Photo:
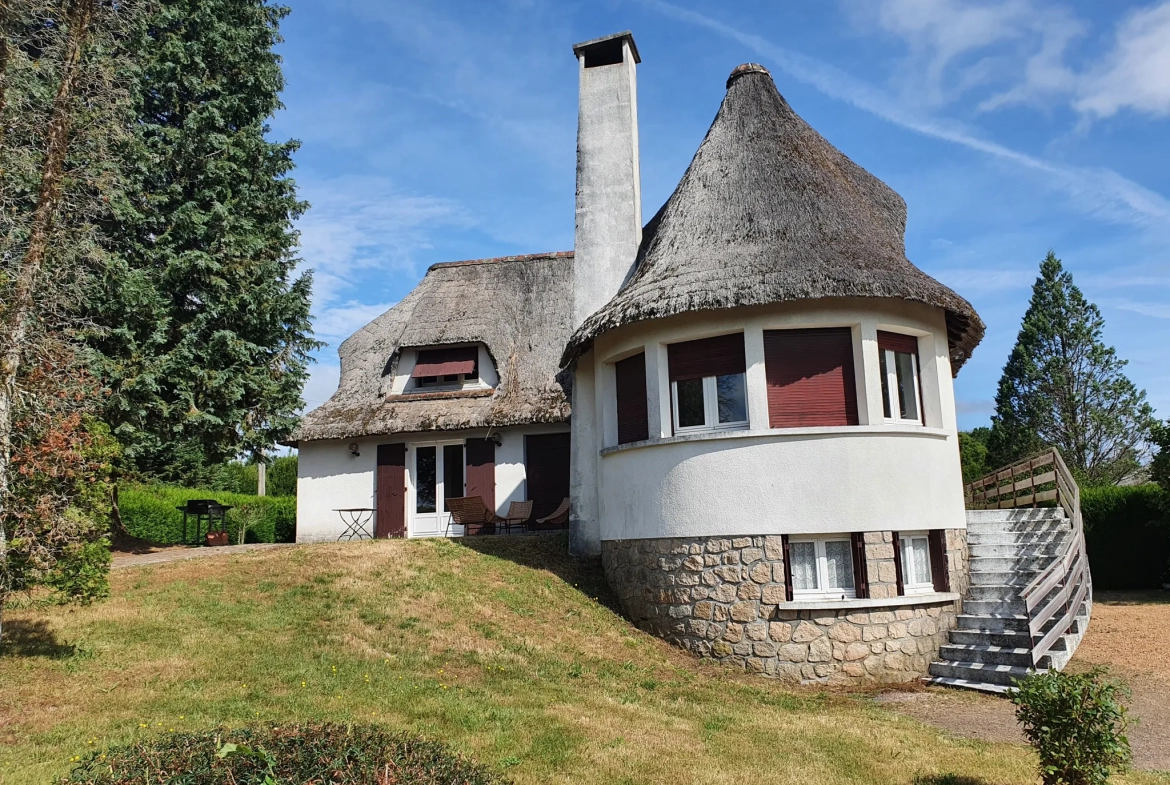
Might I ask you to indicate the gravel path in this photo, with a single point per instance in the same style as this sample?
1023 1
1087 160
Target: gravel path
1128 634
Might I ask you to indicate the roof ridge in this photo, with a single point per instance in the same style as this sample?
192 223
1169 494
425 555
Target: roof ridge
528 257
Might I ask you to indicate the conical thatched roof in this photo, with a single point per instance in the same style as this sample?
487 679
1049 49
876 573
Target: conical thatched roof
514 305
770 212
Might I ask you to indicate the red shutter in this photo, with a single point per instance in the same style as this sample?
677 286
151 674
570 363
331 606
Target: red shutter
481 471
718 356
787 567
860 568
446 362
632 419
810 377
390 491
896 342
901 583
939 571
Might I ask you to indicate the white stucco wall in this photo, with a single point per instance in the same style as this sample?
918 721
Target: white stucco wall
330 477
874 476
798 481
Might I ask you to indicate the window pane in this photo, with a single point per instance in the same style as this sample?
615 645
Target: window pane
904 367
905 546
804 565
690 403
424 479
921 560
885 384
452 473
839 558
732 398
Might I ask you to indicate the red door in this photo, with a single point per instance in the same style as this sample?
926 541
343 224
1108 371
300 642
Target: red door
390 491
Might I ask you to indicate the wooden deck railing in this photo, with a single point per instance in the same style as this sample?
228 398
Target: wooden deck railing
1060 589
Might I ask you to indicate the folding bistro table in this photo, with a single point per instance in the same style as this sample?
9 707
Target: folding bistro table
357 522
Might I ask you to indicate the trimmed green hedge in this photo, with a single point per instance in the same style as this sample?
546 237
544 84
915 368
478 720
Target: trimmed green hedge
291 753
149 512
1127 536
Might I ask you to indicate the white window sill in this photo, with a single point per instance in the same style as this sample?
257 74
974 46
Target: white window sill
791 434
870 602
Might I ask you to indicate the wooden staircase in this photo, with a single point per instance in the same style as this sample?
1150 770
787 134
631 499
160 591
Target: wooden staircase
1030 593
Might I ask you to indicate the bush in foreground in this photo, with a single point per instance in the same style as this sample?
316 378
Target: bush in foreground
292 754
1076 723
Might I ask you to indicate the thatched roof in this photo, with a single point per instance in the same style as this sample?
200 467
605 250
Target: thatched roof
514 305
770 212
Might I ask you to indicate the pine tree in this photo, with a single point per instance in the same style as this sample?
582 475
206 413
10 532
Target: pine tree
1063 387
204 328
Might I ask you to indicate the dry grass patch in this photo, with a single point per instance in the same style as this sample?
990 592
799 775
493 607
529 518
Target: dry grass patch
505 648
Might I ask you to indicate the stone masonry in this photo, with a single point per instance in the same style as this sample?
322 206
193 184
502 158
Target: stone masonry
723 598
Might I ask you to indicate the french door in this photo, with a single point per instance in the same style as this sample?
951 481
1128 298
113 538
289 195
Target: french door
436 474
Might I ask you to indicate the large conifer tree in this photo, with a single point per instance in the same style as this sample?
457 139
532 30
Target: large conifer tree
203 327
1062 386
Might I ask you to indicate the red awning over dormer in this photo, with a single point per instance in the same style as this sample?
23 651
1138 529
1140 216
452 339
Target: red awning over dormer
445 362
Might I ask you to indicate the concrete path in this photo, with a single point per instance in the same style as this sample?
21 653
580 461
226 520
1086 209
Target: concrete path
181 553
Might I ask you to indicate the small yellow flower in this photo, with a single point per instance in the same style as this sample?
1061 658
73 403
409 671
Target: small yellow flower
302 684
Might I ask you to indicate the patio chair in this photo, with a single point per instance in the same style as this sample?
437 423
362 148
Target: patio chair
518 515
469 511
557 519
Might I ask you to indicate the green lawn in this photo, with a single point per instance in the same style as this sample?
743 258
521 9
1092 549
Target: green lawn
498 647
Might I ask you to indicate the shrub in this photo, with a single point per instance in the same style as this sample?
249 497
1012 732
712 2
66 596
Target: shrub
1127 536
237 477
294 753
1076 723
150 513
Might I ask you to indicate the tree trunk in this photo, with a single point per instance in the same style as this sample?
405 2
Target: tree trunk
28 272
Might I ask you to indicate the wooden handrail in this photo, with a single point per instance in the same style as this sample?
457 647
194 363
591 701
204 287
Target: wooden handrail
1027 483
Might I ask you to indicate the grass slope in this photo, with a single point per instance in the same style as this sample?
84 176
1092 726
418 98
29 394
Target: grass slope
497 647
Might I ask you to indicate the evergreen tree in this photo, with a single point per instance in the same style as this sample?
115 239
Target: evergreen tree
203 325
973 453
1062 386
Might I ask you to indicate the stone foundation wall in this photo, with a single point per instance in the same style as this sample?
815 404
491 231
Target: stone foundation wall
723 597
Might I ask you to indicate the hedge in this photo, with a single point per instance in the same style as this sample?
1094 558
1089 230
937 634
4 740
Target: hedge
237 477
149 513
1127 536
291 753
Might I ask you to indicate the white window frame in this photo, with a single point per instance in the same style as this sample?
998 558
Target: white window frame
890 382
824 592
909 586
710 408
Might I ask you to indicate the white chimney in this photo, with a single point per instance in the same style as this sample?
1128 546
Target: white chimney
609 191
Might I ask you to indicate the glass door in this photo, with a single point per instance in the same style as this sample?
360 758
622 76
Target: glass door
437 474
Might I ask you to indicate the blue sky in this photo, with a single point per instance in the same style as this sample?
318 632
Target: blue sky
441 130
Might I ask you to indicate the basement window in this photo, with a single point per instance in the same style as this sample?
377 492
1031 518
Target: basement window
822 568
917 577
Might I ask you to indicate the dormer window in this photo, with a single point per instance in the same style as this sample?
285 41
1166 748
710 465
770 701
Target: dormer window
454 368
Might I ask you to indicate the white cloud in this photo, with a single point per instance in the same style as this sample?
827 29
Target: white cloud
1136 74
1156 310
1096 191
337 322
974 407
956 45
322 383
982 281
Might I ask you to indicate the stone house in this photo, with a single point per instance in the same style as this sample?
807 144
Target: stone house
762 444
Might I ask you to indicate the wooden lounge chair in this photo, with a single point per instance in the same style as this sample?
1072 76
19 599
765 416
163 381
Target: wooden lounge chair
472 514
518 515
557 519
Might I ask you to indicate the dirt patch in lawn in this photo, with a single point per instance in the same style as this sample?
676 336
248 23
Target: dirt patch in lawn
1127 634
